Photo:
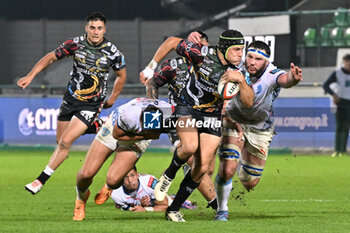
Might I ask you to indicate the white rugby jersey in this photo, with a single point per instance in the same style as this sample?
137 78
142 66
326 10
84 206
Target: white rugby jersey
127 116
266 90
343 81
126 200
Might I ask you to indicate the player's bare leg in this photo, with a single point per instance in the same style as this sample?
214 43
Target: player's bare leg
72 132
97 154
230 151
255 167
124 160
186 148
202 159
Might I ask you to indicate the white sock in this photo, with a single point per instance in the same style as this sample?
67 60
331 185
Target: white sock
81 195
223 190
48 171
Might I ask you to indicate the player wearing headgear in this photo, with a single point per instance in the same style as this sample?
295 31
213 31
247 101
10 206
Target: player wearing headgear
176 73
202 106
248 154
125 132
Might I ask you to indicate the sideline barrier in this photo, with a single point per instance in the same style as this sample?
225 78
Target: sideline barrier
299 122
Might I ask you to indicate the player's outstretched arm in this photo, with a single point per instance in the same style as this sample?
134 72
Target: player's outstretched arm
292 78
117 88
159 206
41 65
164 49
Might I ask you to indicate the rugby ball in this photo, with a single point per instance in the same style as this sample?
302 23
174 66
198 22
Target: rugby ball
227 90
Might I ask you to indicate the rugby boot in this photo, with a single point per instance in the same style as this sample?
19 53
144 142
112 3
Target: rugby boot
34 187
103 195
162 187
174 216
79 209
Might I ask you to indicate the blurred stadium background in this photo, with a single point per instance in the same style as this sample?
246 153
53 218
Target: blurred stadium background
312 33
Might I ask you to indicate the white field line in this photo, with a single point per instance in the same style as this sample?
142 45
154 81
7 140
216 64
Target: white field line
304 200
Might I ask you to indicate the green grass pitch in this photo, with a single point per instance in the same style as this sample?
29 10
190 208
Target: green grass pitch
297 193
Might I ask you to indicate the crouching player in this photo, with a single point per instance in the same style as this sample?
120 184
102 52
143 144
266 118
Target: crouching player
248 154
137 194
125 132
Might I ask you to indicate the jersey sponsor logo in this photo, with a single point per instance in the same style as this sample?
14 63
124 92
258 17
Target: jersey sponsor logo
204 71
152 119
152 183
258 89
88 115
105 132
189 46
211 51
204 50
274 71
173 63
113 48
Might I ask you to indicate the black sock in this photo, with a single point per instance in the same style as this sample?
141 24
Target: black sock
187 186
213 204
43 177
175 165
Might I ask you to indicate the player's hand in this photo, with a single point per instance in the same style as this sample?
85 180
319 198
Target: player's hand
142 78
239 130
296 72
107 104
232 76
146 201
145 75
137 208
195 37
24 82
336 99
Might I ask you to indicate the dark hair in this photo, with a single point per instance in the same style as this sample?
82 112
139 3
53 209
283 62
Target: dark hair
258 44
204 36
96 16
229 38
346 57
133 168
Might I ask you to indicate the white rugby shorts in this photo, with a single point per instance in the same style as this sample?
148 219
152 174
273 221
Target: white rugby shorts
105 136
257 142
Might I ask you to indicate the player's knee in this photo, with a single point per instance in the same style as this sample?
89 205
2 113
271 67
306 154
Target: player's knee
63 144
210 172
249 174
189 149
251 184
203 170
228 172
114 182
85 175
